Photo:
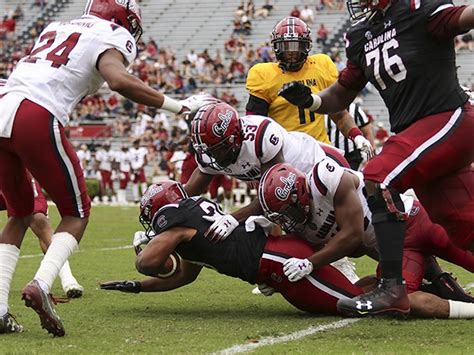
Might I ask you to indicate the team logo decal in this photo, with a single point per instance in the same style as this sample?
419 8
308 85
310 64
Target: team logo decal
220 128
162 221
150 192
274 139
129 46
414 211
282 193
368 35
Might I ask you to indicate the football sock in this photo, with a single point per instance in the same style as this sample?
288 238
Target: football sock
65 274
227 204
143 187
390 234
60 249
136 197
461 309
9 255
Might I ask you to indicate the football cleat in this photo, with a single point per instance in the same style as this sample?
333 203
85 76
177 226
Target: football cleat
446 286
42 303
73 290
8 324
388 298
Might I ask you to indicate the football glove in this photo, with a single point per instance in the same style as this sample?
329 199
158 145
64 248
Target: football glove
295 269
221 228
366 149
140 239
194 102
122 286
296 93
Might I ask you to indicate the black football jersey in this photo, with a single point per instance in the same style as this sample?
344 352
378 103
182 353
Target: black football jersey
414 72
237 256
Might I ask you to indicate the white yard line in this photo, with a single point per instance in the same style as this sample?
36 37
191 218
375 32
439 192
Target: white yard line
289 337
79 251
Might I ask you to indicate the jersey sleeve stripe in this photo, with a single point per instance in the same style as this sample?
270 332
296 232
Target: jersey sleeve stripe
441 8
317 181
259 138
415 4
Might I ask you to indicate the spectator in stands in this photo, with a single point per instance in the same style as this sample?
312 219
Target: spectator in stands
464 41
265 10
322 35
237 71
230 45
265 52
246 25
295 12
250 8
307 15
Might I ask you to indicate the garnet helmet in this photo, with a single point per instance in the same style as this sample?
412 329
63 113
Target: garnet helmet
285 197
216 135
157 196
291 42
125 13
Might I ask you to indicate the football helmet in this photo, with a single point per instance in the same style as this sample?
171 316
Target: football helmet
157 196
216 135
291 42
359 9
125 13
285 197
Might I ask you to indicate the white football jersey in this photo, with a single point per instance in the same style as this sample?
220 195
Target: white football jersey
84 157
105 159
61 68
124 160
263 139
137 157
324 180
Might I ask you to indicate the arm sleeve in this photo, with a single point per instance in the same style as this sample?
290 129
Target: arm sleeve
118 38
444 23
352 77
257 106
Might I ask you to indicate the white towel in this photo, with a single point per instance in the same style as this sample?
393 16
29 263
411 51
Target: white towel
8 106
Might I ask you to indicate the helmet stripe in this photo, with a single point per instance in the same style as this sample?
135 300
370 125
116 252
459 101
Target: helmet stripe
291 26
88 7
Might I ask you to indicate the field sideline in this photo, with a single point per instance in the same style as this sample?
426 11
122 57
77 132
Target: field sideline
213 314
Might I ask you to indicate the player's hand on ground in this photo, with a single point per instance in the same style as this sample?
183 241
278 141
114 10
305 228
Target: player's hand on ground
366 149
296 93
221 228
122 286
140 239
295 269
266 290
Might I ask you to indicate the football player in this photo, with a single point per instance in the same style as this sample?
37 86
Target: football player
244 147
138 161
406 50
174 224
122 159
291 42
69 60
105 158
327 208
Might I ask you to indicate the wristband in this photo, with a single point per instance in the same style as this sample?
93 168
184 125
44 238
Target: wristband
316 102
171 105
354 132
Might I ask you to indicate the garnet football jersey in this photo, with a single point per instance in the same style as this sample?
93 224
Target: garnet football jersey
414 72
238 255
263 138
264 80
61 68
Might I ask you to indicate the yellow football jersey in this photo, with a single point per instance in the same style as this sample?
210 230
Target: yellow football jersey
264 80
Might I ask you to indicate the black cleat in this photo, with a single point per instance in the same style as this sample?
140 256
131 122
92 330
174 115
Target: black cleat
446 286
388 298
8 324
42 303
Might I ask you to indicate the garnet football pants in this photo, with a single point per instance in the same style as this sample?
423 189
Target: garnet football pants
38 143
317 292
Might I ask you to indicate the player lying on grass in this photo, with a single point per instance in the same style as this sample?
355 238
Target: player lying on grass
327 208
174 223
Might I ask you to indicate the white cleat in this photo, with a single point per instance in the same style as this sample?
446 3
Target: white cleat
256 291
73 290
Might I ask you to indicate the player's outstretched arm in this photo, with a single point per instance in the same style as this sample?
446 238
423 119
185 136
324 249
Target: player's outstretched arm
111 66
466 20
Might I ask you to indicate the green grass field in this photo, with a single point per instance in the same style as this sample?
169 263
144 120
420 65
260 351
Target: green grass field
210 315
